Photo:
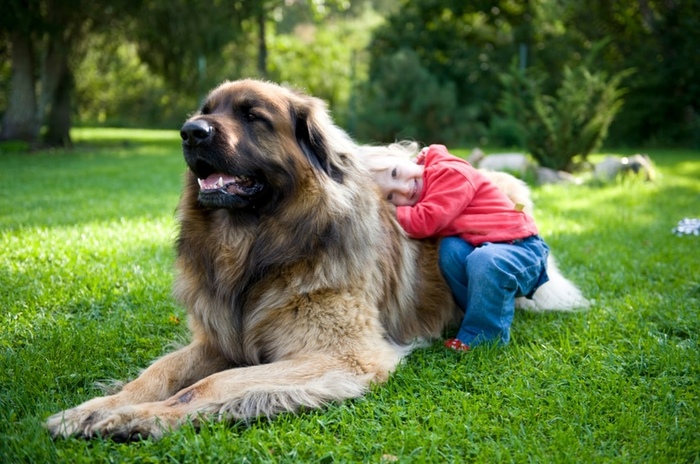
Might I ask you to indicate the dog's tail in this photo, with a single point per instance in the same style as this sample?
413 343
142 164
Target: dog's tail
558 294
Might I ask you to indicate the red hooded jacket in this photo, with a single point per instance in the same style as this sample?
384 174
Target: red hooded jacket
459 200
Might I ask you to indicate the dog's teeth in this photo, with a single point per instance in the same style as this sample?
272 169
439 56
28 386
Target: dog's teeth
220 182
201 183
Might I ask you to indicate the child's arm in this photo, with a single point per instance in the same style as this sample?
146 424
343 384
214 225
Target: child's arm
449 193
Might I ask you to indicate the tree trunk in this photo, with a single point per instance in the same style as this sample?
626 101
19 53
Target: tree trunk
19 121
58 122
57 89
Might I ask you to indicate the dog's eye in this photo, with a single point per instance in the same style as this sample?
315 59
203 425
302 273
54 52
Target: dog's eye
205 110
256 117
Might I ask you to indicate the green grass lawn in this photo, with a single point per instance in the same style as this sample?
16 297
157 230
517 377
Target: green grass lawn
86 255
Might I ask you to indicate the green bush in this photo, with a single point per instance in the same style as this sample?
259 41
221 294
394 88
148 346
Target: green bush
405 100
506 132
572 122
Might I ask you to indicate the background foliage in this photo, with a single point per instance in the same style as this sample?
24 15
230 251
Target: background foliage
387 69
469 44
406 100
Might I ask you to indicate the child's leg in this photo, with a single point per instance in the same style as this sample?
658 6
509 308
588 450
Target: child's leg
494 274
452 259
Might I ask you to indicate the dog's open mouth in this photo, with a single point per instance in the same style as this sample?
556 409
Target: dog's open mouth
242 186
223 186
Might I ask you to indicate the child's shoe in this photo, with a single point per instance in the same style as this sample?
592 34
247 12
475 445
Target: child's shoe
455 344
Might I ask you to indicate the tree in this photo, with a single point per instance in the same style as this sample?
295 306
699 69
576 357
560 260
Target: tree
64 29
180 39
20 118
45 36
48 39
464 45
660 39
468 44
306 48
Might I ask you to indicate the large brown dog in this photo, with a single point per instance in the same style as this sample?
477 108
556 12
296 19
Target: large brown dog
301 288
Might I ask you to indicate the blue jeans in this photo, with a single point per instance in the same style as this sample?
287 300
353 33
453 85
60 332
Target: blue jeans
485 280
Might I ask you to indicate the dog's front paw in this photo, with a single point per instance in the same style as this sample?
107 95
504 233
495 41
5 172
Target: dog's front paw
73 422
78 421
148 420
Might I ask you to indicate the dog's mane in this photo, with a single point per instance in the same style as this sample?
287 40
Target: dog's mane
404 289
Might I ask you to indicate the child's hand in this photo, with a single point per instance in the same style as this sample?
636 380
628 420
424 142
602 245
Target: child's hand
420 159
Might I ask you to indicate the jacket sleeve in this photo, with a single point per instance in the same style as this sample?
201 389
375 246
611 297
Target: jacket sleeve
449 192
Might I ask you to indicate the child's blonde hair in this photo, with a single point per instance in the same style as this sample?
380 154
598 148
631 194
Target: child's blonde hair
379 158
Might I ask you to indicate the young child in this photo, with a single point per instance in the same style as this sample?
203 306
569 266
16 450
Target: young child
491 252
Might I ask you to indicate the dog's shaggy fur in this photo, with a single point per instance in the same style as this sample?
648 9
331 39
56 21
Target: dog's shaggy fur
301 287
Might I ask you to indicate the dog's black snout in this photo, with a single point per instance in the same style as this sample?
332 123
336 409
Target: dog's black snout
196 132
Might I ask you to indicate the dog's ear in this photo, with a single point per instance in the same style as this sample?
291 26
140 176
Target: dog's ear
309 117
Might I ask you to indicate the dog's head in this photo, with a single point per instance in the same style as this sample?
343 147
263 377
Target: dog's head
252 143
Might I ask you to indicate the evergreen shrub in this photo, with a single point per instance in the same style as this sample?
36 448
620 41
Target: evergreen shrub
404 100
569 125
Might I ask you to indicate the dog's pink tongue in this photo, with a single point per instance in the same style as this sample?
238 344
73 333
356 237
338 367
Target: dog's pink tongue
215 181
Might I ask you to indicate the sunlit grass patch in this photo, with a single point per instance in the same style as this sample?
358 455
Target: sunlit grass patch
86 257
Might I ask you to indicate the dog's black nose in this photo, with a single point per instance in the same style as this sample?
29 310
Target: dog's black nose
196 132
